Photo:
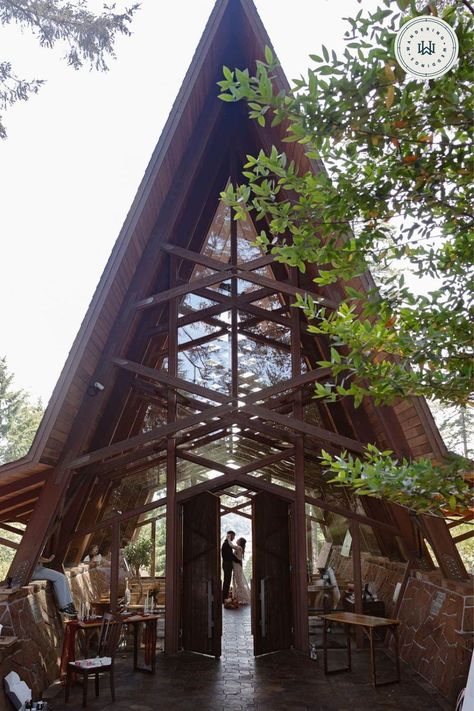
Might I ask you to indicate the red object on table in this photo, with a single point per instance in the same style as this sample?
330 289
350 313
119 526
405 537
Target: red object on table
68 653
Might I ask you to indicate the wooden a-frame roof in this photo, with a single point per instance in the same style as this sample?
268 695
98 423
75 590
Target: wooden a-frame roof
173 209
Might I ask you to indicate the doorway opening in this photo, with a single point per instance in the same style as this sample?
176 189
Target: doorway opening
236 515
205 521
236 510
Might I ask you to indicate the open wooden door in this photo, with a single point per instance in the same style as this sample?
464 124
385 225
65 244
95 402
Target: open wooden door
271 589
202 605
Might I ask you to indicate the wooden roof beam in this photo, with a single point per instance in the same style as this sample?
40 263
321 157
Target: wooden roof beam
289 289
12 529
126 516
317 432
226 510
17 486
176 291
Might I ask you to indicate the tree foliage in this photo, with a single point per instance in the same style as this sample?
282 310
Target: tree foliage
88 38
19 418
138 554
421 485
396 188
6 553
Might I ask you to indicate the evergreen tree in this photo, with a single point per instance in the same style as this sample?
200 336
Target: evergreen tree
456 425
89 38
19 418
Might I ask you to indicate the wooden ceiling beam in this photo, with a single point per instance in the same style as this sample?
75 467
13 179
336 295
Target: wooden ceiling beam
244 469
17 514
227 510
204 462
176 291
289 289
170 381
464 519
300 426
464 536
120 518
202 340
243 420
351 515
12 529
17 502
191 316
265 340
264 315
9 543
153 436
17 486
197 258
213 295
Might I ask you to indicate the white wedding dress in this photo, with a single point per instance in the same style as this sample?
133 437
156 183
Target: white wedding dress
240 586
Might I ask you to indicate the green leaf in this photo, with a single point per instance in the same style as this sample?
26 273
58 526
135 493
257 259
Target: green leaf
227 97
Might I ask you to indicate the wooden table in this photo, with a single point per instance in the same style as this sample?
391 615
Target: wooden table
368 623
149 637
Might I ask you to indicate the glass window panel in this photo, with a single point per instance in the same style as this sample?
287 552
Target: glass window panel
134 490
189 474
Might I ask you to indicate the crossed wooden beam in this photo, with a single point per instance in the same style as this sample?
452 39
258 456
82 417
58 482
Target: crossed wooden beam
226 405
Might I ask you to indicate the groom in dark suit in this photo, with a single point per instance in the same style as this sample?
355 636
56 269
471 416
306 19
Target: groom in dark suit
228 558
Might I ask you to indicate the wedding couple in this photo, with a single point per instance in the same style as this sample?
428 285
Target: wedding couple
232 557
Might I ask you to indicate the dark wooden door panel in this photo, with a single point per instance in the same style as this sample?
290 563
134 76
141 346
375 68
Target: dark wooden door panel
201 599
271 603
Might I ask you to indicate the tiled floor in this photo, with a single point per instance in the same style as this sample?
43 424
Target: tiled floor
238 680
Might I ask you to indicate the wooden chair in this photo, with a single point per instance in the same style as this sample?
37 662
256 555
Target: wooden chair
108 642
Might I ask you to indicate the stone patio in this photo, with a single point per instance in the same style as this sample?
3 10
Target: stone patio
275 682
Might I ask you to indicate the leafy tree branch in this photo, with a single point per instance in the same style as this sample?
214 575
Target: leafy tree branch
89 38
396 190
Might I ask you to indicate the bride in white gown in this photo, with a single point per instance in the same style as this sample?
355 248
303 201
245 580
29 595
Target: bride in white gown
241 589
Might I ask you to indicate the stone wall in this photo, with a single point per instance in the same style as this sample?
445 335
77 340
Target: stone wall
437 631
30 614
437 618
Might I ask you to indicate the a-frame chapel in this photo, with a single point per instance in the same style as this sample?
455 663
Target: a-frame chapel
187 396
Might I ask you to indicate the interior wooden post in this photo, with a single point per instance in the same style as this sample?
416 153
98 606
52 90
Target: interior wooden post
357 572
153 549
172 520
301 588
114 566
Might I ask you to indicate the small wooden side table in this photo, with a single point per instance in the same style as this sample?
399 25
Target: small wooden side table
368 623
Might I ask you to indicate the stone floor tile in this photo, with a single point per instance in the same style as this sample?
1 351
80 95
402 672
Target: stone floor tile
287 681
